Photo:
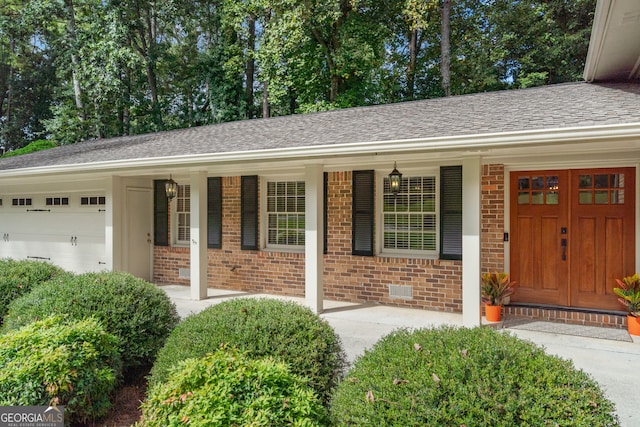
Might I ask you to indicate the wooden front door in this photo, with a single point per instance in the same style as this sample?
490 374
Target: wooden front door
572 234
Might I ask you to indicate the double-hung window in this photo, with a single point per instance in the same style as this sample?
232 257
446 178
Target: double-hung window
410 217
285 214
183 215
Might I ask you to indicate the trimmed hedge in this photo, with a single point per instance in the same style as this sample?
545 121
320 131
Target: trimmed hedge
227 388
262 327
76 365
19 277
138 313
473 377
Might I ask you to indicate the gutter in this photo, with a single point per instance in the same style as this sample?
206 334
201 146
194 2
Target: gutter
598 30
464 144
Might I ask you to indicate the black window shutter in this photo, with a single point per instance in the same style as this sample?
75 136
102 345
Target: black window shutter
451 212
362 213
326 207
160 214
214 212
249 213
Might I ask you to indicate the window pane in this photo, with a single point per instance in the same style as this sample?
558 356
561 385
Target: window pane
552 198
523 183
586 198
286 220
537 198
409 219
523 198
537 182
601 181
585 181
602 197
617 180
617 197
552 183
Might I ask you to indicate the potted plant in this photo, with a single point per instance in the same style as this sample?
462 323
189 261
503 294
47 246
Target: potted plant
628 294
497 289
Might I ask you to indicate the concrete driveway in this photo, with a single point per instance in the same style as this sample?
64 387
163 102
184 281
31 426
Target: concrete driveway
614 364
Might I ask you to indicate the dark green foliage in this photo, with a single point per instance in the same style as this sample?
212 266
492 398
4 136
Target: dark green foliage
39 145
262 327
140 314
473 377
76 365
227 388
18 277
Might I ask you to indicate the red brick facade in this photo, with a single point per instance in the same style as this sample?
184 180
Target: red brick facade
492 223
436 284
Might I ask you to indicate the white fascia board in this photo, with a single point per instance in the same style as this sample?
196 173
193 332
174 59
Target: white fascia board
598 31
464 144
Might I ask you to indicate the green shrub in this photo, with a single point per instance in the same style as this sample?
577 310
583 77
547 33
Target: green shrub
76 365
227 388
38 145
18 277
138 313
262 327
472 377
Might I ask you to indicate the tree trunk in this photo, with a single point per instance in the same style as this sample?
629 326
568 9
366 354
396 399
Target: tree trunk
151 68
411 70
71 29
250 67
266 110
445 48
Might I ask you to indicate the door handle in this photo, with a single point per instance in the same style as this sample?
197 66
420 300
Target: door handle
563 243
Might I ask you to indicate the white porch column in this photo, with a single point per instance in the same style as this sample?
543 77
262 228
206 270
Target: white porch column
198 245
314 238
113 224
471 213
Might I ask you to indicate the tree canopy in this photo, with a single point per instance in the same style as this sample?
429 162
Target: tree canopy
72 70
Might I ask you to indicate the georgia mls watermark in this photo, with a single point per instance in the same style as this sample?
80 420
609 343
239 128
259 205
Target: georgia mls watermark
31 416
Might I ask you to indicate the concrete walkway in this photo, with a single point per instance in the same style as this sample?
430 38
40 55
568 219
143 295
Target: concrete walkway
614 364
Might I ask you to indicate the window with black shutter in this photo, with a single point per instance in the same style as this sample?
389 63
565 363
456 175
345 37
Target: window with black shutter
249 213
214 212
451 212
362 213
160 214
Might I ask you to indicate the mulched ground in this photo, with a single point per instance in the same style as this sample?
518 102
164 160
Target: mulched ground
126 403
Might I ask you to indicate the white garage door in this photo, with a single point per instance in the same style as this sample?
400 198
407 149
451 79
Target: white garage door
65 230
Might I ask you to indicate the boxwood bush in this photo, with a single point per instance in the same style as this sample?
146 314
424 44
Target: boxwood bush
138 313
76 365
472 377
19 277
262 327
226 388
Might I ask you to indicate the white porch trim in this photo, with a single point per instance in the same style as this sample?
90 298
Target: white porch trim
198 244
471 212
113 245
314 238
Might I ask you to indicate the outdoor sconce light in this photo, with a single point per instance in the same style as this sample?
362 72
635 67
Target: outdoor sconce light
395 179
171 188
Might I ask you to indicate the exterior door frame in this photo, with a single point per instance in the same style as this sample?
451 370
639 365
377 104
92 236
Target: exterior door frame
632 222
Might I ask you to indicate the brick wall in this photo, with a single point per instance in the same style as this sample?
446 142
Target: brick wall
492 223
436 284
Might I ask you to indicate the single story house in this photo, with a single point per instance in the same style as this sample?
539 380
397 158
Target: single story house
539 182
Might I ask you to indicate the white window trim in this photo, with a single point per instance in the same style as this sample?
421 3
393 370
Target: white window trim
379 215
174 222
264 217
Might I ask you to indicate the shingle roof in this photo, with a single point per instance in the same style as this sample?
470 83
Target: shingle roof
546 107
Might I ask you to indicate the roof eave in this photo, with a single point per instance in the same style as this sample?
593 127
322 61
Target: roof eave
465 145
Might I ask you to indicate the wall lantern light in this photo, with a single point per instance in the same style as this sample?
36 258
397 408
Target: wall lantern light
171 188
395 179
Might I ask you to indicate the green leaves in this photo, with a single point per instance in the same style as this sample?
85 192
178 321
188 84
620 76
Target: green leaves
629 293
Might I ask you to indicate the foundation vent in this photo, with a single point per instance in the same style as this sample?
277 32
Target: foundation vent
401 291
184 273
